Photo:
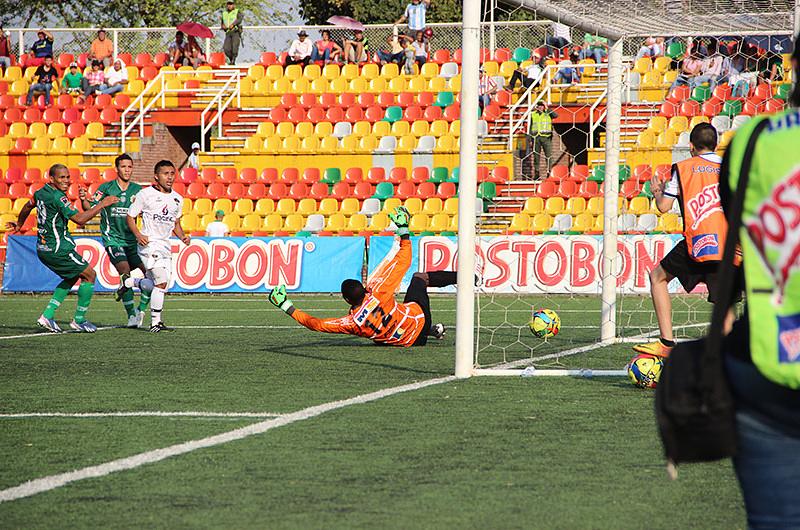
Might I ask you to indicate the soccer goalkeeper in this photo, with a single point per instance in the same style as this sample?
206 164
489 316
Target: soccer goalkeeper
374 313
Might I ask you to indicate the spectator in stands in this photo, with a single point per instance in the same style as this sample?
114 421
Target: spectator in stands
487 87
567 73
714 70
528 77
653 47
5 50
41 48
594 47
420 48
217 228
232 20
770 68
559 39
176 53
415 15
194 52
300 50
397 46
93 81
689 69
116 78
193 160
73 80
356 49
540 139
326 49
43 80
102 49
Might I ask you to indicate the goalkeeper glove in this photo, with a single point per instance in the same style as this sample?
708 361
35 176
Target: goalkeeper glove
401 217
279 299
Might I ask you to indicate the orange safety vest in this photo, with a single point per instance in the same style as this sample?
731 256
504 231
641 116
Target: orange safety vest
704 223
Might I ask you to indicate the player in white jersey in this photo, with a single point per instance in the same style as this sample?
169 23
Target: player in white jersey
160 208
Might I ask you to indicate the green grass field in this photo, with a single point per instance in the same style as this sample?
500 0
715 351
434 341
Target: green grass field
479 453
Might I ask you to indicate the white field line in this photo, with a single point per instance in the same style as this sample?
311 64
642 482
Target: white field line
141 414
51 334
51 482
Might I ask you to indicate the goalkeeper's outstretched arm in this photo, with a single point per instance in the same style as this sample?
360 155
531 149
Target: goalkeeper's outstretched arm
279 299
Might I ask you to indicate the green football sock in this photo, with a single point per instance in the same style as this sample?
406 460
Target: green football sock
144 300
85 292
127 301
61 292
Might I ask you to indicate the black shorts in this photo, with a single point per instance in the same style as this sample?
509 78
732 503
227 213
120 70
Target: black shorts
418 292
690 272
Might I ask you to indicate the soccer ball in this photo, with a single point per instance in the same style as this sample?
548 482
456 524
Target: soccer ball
645 370
545 323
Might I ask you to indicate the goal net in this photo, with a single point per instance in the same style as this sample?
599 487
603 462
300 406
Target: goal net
592 108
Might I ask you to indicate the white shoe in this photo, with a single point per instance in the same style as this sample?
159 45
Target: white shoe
135 320
83 327
49 324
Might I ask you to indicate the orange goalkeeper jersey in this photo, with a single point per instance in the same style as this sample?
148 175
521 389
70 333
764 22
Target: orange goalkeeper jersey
379 317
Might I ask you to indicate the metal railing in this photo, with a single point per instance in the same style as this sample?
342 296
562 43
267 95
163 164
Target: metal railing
139 105
222 100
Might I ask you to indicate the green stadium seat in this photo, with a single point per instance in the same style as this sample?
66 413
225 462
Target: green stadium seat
784 91
444 99
393 114
676 50
438 175
598 173
731 108
384 190
332 176
454 176
646 191
521 54
701 94
624 172
487 190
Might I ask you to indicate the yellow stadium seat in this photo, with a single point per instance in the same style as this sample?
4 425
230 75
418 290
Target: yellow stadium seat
368 144
251 223
328 206
18 129
697 120
646 139
357 222
272 144
6 143
666 139
576 205
272 222
323 129
390 70
643 65
419 223
414 205
300 85
30 71
280 86
446 144
5 205
37 130
294 222
432 206
134 87
377 85
583 222
243 206
274 72
401 128
554 205
382 128
331 71
187 206
232 220
312 72
247 87
541 222
329 145
290 145
438 128
307 206
304 129
419 128
406 144
658 124
357 85
338 85
41 145
80 145
336 223
678 124
639 205
256 72
60 146
349 71
439 222
361 129
491 68
253 144
190 222
378 222
417 84
370 71
265 206
285 206
437 84
56 129
284 129
595 206
451 206
598 224
349 144
396 85
318 86
19 203
669 77
223 204
349 206
521 222
18 87
429 70
293 72
662 64
13 73
202 206
95 130
670 222
391 203
455 128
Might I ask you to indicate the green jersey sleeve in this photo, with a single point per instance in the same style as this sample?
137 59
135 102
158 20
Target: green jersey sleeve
65 207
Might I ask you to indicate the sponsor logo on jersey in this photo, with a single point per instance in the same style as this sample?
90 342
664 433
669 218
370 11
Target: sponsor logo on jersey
705 203
789 339
165 210
98 196
705 245
366 308
64 200
398 333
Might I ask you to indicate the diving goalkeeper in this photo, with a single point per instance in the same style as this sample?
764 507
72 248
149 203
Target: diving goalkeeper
374 313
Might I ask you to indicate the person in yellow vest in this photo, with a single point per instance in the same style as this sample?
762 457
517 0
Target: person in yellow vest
232 26
695 259
762 352
539 140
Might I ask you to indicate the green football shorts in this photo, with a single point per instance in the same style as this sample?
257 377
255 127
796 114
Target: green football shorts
68 265
129 254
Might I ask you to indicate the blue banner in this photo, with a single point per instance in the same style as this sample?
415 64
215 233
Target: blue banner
234 264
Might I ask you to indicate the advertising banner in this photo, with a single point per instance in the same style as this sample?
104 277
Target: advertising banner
235 264
539 264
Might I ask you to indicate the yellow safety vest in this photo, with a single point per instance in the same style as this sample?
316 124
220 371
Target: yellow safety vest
541 124
229 17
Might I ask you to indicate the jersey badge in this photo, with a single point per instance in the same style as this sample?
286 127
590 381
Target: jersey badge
365 310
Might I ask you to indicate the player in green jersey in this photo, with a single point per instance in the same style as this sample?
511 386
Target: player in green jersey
118 240
56 248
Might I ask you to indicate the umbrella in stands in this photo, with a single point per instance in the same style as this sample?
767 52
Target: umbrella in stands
195 29
346 22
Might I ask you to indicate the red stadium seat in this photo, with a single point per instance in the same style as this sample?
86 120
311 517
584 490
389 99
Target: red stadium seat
328 100
445 190
177 187
33 175
298 190
354 114
363 190
121 101
307 100
208 175
109 175
148 73
547 188
559 172
160 59
109 116
763 91
492 112
188 175
316 115
642 173
277 115
374 113
235 191
31 115
64 60
13 175
386 99
630 189
712 107
376 175
483 174
91 175
215 190
290 175
668 109
426 99
228 175
318 191
664 172
12 114
426 190
75 129
398 175
406 99
17 190
432 113
7 102
413 113
405 190
256 191
64 101
142 60
89 115
310 175
679 94
568 188
499 174
21 146
347 99
248 175
452 112
268 175
420 174
690 108
354 175
340 191
334 115
457 55
195 190
277 190
503 98
441 56
217 59
296 114
773 105
126 57
268 58
589 188
366 99
51 115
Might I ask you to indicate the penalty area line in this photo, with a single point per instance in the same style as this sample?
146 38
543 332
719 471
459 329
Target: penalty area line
52 482
51 334
141 414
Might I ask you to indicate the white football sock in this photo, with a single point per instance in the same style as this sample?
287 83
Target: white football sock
156 305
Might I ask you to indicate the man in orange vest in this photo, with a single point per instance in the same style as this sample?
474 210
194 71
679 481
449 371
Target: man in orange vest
695 259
